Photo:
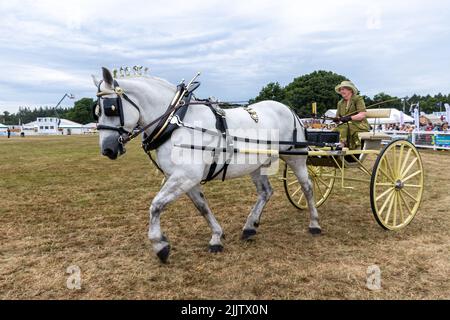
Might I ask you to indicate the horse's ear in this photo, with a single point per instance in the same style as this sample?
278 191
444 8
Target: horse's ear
107 77
96 82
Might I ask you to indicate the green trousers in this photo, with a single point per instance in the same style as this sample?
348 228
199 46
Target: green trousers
349 134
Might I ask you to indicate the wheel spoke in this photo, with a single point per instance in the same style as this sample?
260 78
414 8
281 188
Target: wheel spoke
409 195
394 169
320 190
395 209
401 210
296 191
409 167
292 183
386 175
386 203
399 162
391 203
323 182
390 169
413 186
382 184
384 193
406 160
301 198
406 204
412 176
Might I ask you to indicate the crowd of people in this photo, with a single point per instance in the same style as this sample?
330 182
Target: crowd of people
409 128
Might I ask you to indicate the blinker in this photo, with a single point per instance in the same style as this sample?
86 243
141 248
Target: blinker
110 107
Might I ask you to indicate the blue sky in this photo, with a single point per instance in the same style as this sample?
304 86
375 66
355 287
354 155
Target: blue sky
48 48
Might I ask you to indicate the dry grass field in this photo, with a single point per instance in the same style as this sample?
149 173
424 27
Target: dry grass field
62 204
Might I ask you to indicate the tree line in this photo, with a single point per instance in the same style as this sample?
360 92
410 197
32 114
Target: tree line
319 87
80 113
316 87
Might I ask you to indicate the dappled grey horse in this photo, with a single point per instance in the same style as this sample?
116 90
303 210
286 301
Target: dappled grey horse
146 99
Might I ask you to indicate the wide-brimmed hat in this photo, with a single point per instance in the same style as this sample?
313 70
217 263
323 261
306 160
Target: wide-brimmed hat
347 84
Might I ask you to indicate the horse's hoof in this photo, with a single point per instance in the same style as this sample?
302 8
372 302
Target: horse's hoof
216 248
315 231
248 234
163 254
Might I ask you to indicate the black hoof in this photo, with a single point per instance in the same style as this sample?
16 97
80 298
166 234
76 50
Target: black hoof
216 248
315 231
248 234
163 255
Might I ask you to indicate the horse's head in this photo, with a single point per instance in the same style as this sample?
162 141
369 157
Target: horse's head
117 115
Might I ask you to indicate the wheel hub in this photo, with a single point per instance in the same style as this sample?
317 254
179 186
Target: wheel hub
399 185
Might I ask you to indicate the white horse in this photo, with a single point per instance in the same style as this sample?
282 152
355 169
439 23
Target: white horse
152 97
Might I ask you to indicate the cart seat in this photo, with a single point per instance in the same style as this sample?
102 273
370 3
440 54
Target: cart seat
378 113
373 136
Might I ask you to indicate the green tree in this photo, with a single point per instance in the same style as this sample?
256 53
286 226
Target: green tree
314 87
81 111
273 91
383 97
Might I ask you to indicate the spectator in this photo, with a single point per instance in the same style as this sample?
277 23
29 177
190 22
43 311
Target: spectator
8 131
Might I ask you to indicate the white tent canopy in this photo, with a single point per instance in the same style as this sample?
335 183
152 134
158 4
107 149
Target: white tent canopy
91 125
396 117
2 126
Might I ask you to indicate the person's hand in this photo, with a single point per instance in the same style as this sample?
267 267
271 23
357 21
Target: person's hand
346 119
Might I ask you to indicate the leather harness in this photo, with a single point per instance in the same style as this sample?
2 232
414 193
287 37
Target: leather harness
112 107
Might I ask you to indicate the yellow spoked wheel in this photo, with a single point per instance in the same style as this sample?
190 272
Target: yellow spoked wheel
322 179
396 188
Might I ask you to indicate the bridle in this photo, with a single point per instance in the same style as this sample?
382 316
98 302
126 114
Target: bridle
113 107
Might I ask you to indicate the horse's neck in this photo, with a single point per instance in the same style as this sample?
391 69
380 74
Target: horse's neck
155 97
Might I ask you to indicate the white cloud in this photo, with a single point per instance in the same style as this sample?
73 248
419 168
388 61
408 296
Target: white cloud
240 45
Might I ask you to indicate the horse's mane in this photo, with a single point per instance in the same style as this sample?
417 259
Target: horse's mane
149 80
161 81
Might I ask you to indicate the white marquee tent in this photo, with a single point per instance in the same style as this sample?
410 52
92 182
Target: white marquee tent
3 129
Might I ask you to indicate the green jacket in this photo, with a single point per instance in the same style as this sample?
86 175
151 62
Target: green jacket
356 105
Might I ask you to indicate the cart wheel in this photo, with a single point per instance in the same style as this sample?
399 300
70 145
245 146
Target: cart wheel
322 179
396 188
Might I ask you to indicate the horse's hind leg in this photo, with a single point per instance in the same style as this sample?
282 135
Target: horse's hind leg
174 187
265 191
298 165
199 200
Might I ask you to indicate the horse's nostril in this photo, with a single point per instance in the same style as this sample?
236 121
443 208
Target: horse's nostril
108 152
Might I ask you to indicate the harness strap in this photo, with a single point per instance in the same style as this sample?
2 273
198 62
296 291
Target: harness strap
221 125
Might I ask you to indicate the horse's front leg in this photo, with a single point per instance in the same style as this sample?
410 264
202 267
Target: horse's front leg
199 200
174 187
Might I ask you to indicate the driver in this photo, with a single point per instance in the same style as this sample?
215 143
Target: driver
350 115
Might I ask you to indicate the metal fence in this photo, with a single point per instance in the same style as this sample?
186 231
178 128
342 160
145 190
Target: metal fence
424 139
